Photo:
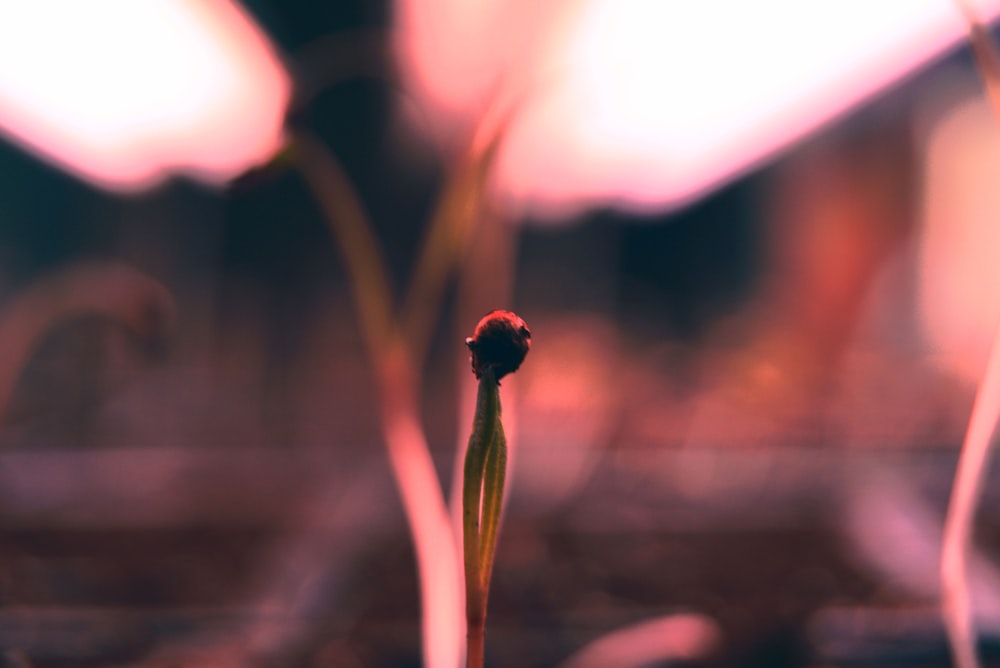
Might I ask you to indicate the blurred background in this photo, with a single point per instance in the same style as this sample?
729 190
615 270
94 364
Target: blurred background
751 372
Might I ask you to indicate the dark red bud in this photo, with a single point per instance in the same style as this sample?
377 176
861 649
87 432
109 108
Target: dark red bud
500 342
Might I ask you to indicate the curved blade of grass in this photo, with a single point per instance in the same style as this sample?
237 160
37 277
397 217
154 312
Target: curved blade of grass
395 374
450 231
349 225
966 493
976 448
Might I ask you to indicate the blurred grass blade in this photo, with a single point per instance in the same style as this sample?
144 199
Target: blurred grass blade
448 237
986 55
398 393
678 638
977 445
965 496
350 227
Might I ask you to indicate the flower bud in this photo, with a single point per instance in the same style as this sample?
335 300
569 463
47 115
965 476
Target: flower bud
500 342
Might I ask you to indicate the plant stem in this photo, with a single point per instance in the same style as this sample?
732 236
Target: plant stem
959 521
485 468
976 448
409 455
353 234
494 476
485 279
451 231
426 512
476 643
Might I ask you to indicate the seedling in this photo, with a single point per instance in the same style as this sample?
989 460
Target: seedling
499 345
397 338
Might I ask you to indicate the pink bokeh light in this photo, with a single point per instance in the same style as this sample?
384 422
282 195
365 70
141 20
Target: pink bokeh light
959 281
123 93
649 104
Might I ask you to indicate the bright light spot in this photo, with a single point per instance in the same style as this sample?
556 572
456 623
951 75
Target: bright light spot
456 53
959 274
650 103
121 92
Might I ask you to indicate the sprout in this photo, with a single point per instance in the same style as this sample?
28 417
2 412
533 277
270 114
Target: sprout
500 342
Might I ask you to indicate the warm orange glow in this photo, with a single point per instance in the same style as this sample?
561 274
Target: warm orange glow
648 103
122 92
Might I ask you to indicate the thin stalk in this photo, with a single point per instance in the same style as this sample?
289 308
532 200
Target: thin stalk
352 231
485 466
985 53
409 455
474 603
426 512
450 232
966 493
494 477
472 494
977 445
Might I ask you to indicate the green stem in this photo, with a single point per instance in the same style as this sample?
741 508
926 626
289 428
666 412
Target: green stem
494 476
471 499
482 497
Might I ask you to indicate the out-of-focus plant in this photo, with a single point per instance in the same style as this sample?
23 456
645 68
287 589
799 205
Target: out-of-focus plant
396 340
659 641
977 445
398 394
121 294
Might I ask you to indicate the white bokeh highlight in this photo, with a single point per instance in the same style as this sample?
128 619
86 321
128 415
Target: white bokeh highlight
123 93
648 104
